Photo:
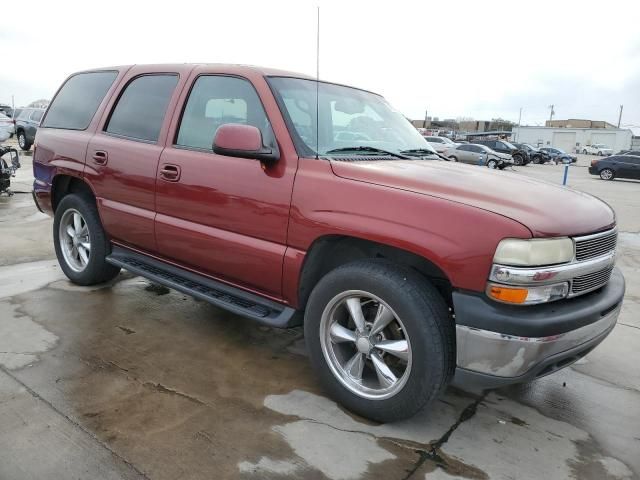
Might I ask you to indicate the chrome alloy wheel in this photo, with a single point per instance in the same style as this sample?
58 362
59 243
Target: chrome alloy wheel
365 345
75 241
606 174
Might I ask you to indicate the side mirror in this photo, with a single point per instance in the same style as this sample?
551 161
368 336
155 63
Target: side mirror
245 141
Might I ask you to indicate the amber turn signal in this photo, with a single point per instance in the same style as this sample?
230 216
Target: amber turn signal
508 294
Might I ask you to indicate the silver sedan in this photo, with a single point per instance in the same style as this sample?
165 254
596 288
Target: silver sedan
478 155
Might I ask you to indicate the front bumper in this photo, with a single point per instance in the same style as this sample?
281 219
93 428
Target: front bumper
499 344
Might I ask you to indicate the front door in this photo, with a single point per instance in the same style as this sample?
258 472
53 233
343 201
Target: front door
223 216
123 155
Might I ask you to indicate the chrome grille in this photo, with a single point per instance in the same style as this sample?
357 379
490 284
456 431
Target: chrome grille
595 245
591 281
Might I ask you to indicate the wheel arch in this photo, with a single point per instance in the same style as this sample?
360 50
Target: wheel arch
64 184
331 251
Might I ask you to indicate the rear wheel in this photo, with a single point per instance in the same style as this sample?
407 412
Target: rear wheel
80 241
23 142
453 159
584 152
380 338
606 174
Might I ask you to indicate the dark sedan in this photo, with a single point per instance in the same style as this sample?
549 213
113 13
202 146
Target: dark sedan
559 156
616 166
535 154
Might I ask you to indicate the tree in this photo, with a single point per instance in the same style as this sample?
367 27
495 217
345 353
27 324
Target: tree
42 103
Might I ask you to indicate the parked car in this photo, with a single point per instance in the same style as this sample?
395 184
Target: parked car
6 127
440 144
535 154
597 149
520 157
616 166
559 156
629 152
478 155
6 109
403 269
26 126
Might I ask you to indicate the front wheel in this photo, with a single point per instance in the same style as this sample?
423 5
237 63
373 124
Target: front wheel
606 174
80 241
518 160
380 338
492 164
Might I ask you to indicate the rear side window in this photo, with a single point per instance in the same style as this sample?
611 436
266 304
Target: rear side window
215 100
78 100
141 108
36 116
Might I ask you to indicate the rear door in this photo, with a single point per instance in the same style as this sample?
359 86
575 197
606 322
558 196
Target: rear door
34 122
224 216
123 155
628 166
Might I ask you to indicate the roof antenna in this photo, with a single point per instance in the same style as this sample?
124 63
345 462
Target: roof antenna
317 85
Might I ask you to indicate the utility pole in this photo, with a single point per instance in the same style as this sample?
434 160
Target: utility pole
552 112
426 118
620 116
519 119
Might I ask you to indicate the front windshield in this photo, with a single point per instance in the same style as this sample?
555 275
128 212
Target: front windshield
348 118
509 145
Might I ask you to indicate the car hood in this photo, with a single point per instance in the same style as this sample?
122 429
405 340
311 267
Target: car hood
544 208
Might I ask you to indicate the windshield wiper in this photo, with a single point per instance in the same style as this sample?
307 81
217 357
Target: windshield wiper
368 150
423 152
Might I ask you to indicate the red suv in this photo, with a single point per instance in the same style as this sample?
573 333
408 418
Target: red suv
290 201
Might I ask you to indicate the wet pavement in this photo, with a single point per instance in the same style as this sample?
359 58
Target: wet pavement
128 380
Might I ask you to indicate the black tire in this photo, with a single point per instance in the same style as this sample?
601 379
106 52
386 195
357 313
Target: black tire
427 325
97 270
518 160
492 164
23 143
607 174
584 151
453 159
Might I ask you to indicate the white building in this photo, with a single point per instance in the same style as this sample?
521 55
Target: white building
573 139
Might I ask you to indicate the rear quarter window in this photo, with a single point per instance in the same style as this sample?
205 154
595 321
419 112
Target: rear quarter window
78 100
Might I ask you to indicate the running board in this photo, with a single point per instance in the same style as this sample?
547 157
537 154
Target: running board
219 294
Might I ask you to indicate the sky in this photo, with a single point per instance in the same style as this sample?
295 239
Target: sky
477 59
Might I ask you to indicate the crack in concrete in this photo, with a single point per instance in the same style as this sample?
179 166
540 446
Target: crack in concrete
434 452
627 325
156 386
22 353
76 424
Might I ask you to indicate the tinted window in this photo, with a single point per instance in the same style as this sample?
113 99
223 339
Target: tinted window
630 159
24 114
36 116
434 140
215 100
140 110
465 148
78 99
475 148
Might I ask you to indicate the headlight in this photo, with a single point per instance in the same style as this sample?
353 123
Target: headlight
534 252
527 295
